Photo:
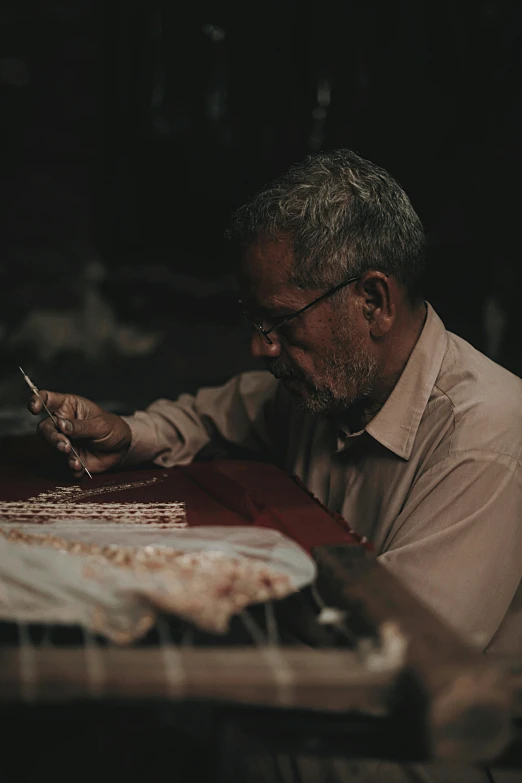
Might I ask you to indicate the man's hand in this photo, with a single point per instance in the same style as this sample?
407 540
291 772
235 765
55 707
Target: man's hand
100 438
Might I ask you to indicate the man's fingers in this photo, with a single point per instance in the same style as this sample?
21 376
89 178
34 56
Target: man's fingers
58 441
34 405
49 433
66 425
75 466
87 429
53 400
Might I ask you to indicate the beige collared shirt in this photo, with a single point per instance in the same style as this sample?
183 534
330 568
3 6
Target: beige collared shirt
434 480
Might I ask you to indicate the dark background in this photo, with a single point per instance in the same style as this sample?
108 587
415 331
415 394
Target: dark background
130 130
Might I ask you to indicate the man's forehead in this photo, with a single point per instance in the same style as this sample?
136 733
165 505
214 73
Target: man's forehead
268 260
265 271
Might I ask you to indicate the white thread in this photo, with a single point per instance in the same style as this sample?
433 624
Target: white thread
94 665
271 624
187 640
28 669
331 616
281 671
172 661
390 653
317 596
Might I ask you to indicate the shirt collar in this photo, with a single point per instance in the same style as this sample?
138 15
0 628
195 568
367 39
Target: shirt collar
395 425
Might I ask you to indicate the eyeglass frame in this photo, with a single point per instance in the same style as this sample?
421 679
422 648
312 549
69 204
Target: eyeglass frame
266 332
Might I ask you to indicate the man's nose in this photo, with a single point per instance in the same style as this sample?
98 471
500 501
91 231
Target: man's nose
260 348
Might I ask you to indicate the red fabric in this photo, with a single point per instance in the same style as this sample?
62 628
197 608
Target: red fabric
221 492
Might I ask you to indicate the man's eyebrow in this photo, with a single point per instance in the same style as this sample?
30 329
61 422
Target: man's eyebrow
269 308
279 313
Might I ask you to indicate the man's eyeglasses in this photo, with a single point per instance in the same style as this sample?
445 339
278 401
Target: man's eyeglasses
266 332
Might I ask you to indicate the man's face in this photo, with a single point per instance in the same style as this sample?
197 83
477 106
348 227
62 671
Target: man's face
323 356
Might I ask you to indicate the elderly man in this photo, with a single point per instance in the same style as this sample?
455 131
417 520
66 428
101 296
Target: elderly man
405 429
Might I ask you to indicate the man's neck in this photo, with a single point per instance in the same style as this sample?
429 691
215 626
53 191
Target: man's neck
397 354
360 414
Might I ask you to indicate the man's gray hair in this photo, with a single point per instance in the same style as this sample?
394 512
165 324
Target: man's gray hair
344 216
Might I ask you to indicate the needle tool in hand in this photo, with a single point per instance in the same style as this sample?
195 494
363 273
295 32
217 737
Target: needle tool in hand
52 417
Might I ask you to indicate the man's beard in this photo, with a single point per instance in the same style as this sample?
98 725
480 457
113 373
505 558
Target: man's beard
341 379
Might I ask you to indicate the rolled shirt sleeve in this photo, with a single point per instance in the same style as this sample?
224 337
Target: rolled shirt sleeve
240 413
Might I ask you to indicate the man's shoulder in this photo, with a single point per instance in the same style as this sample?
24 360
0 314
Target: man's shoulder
485 400
467 376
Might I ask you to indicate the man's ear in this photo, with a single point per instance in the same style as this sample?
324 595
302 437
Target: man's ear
378 308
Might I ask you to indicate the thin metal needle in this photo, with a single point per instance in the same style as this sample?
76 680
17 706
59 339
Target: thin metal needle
53 418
